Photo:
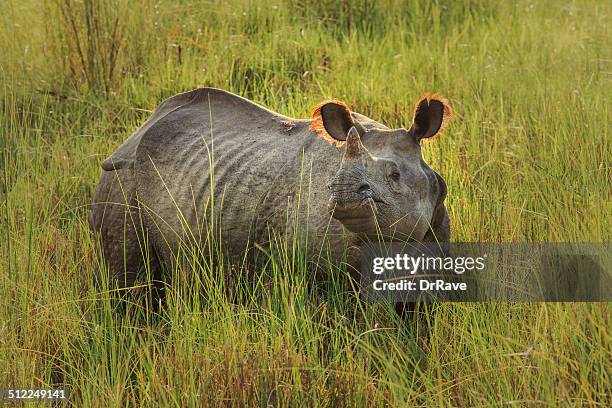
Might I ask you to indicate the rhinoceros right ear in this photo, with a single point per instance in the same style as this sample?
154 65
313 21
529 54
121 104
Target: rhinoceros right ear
333 119
431 116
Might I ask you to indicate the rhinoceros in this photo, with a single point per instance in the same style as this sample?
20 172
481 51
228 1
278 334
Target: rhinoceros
209 160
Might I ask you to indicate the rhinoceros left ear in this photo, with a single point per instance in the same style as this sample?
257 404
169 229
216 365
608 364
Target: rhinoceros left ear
431 116
332 120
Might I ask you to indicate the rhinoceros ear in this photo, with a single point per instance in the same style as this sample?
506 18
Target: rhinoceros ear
431 116
332 120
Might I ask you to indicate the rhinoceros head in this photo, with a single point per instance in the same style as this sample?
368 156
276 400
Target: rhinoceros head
383 188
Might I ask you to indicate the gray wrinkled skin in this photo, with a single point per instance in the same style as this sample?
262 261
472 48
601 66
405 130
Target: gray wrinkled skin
269 172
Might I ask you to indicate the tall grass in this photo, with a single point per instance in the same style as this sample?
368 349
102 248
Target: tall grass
527 159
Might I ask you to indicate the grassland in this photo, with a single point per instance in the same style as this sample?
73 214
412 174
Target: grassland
527 158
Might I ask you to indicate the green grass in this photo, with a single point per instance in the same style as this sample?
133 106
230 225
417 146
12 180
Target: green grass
527 158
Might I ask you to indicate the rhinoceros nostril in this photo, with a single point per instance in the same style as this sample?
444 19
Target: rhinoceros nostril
365 189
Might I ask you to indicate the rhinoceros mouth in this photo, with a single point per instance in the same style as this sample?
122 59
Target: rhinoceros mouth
352 213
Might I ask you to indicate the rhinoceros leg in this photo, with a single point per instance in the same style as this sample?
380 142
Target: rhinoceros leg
116 222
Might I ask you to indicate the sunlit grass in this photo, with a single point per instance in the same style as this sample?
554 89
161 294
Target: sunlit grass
527 158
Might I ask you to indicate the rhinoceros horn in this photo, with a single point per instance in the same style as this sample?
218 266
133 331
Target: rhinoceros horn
354 147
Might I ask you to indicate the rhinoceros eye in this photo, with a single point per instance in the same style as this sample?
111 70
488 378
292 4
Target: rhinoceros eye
393 173
395 176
